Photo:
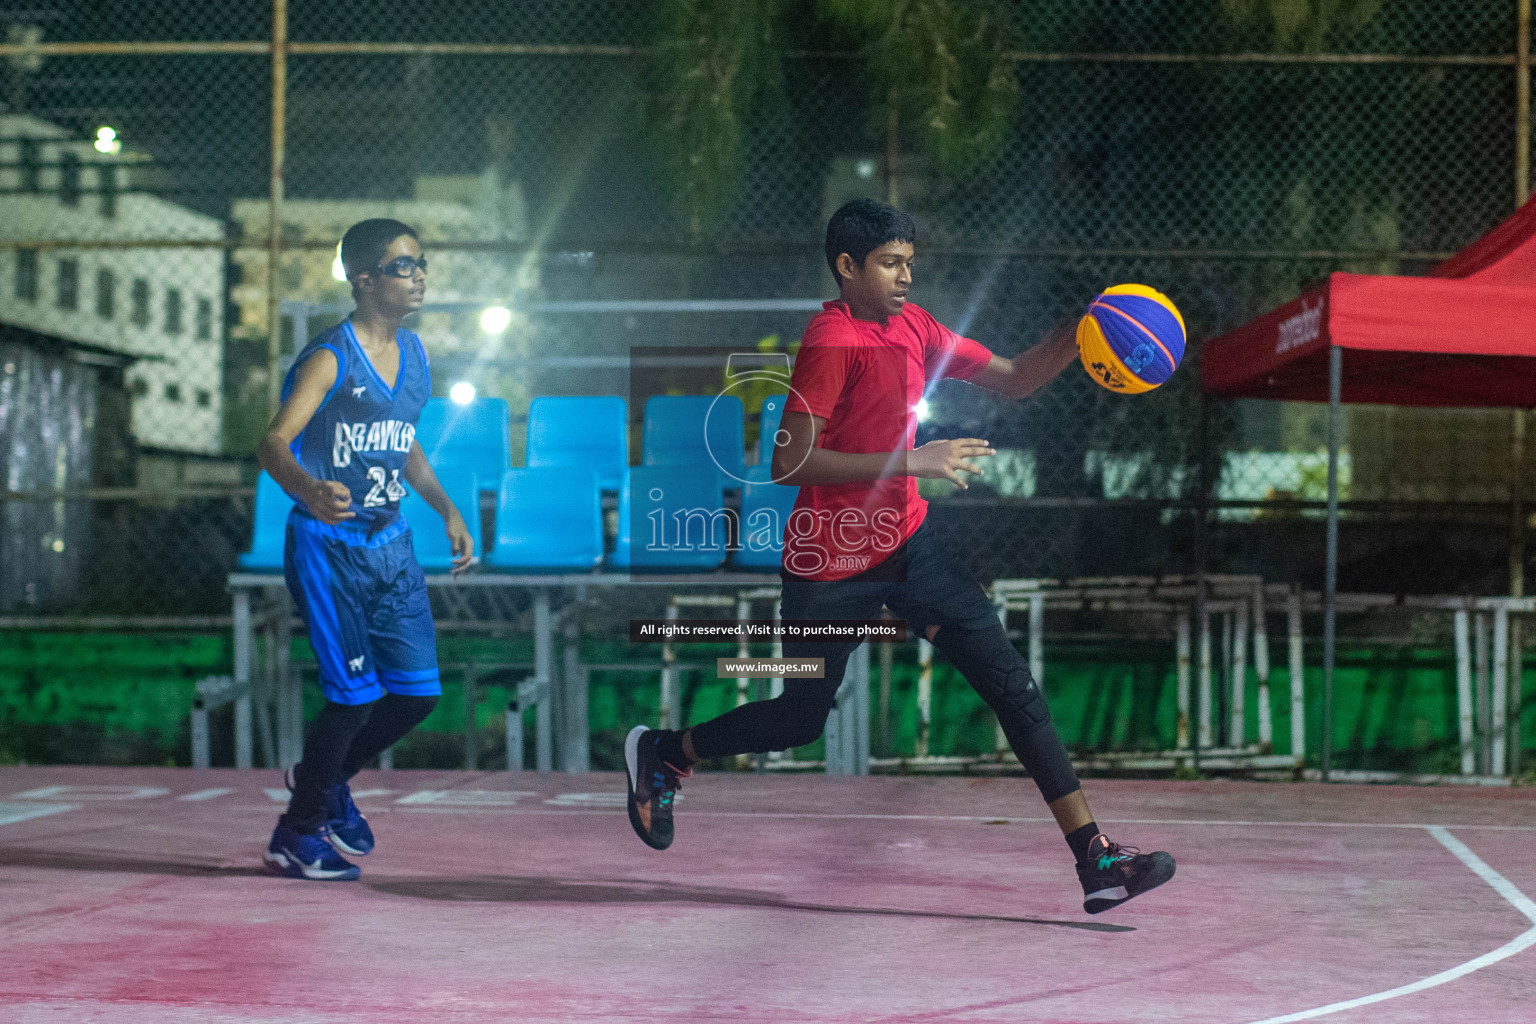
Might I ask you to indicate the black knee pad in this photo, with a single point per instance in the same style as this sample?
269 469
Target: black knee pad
994 667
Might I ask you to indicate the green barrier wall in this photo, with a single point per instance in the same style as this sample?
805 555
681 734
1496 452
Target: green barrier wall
124 699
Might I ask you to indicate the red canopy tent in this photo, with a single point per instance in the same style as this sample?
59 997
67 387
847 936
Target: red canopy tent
1464 335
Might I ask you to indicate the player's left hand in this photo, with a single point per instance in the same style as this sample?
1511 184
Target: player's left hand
461 543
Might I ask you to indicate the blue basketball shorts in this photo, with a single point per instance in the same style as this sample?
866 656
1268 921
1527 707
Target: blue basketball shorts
364 599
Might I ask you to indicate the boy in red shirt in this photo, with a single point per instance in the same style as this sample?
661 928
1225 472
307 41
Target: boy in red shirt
857 540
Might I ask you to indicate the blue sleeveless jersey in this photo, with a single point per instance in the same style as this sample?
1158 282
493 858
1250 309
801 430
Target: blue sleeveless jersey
362 433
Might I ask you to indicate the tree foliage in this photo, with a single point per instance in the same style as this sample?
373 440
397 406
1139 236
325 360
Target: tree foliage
711 60
1302 26
945 65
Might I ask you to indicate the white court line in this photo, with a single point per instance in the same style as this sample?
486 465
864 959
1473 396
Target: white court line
12 813
1004 818
92 793
1500 884
205 794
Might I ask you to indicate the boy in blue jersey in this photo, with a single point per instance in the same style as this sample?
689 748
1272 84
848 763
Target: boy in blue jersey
343 446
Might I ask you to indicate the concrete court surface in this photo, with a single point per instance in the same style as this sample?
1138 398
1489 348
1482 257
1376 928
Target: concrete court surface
136 896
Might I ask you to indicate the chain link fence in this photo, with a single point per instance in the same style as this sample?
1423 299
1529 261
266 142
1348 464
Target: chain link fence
1212 148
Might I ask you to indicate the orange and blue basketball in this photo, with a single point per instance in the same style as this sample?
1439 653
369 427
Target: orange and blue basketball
1131 338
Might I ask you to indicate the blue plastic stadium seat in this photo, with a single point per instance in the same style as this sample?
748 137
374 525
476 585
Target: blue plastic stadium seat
768 425
270 532
697 430
477 436
548 520
580 431
429 537
678 517
765 508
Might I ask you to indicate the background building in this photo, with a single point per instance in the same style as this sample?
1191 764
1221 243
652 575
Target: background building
162 306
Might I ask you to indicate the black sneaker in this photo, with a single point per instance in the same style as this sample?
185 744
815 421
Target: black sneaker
652 785
1113 874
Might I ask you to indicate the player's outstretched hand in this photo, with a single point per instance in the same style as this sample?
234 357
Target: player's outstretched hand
946 460
462 543
330 502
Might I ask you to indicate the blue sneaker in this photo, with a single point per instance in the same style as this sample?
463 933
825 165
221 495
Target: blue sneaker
348 828
296 855
344 823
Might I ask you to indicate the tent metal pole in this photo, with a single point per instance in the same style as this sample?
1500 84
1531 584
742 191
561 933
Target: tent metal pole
1516 639
1331 568
1522 101
1522 193
279 101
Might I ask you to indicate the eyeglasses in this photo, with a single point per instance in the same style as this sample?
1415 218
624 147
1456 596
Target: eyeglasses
402 266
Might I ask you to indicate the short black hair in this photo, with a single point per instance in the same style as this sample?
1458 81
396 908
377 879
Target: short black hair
860 227
363 246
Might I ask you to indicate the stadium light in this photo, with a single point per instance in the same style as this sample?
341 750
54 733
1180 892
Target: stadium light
495 319
922 410
107 140
338 271
462 393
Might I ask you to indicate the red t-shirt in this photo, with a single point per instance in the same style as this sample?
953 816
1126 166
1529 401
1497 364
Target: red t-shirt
865 379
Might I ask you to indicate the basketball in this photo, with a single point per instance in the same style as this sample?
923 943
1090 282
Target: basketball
1131 338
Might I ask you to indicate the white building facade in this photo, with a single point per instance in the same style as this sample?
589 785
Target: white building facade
163 305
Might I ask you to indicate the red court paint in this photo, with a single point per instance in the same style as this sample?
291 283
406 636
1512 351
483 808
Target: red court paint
784 899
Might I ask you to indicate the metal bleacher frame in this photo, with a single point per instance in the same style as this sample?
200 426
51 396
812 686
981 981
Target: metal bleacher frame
1238 604
1238 609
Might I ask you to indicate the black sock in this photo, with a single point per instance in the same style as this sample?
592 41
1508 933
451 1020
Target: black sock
1080 839
669 747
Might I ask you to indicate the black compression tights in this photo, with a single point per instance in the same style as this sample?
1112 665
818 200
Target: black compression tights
986 658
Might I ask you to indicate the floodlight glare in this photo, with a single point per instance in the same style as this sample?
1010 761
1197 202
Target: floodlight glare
922 410
463 392
106 140
495 319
